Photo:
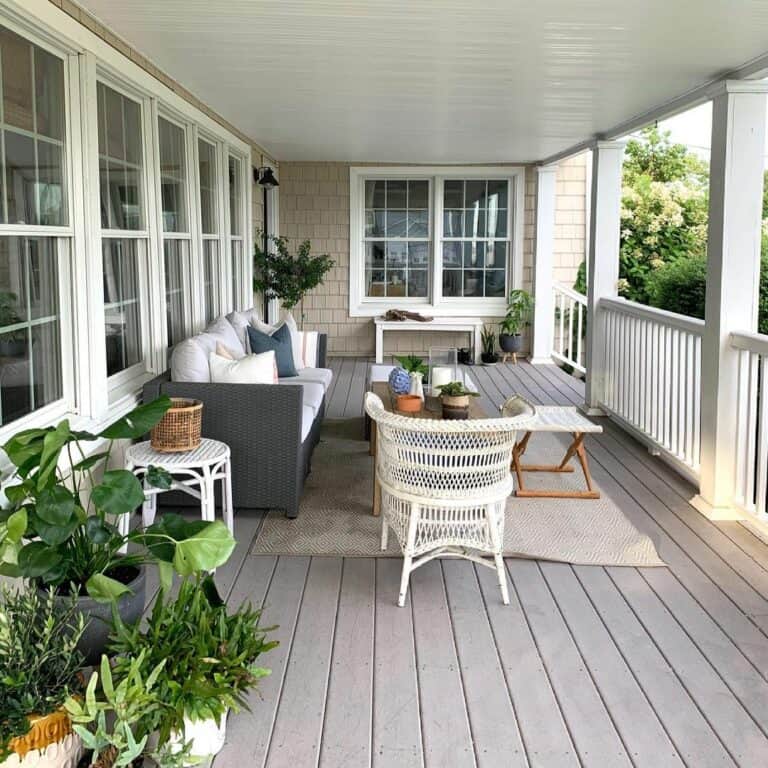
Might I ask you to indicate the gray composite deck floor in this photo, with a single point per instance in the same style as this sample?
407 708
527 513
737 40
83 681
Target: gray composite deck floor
588 665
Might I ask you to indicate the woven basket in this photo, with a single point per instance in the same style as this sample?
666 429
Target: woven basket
179 429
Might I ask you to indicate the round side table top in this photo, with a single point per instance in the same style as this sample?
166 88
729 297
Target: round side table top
208 452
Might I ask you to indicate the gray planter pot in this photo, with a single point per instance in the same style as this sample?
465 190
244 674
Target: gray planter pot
510 343
129 607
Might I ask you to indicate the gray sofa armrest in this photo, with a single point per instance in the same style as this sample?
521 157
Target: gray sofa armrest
322 350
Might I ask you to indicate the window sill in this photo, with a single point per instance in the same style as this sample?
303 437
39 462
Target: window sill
446 308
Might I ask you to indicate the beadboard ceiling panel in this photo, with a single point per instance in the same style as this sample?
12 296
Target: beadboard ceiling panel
436 81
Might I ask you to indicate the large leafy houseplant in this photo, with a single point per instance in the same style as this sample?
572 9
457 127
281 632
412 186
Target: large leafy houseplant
286 277
519 308
58 528
211 656
39 660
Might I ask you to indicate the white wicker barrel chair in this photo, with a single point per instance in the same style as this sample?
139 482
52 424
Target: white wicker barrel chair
444 487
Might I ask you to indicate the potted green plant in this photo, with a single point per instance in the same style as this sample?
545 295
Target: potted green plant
212 661
488 342
416 370
58 528
39 670
109 718
12 343
455 400
287 277
518 316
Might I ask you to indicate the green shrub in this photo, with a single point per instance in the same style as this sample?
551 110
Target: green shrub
679 286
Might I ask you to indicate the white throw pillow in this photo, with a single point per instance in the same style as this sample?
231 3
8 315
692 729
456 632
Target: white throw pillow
221 329
251 369
240 322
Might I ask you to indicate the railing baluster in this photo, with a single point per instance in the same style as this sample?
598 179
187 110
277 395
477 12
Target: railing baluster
762 443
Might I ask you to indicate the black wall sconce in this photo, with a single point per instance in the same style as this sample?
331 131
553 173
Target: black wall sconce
265 177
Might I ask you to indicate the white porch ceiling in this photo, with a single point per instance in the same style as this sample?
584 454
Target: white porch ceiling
436 81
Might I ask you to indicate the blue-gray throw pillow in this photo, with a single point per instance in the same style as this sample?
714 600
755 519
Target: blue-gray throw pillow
280 342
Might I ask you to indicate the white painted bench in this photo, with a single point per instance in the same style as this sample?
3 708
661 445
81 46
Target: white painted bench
472 325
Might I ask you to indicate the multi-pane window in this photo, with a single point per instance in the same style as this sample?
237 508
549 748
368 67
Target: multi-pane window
123 242
32 198
176 237
397 238
475 242
236 226
209 225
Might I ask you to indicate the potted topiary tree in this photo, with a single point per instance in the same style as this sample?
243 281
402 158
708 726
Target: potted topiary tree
39 670
288 278
58 529
518 316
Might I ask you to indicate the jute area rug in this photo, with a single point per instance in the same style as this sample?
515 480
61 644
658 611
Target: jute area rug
335 516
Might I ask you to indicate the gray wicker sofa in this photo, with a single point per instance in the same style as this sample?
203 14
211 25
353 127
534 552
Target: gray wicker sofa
271 429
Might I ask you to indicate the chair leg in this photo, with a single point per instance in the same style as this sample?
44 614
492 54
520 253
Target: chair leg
404 577
408 553
498 548
384 533
501 572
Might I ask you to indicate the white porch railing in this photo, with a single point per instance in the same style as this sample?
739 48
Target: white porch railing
752 414
568 343
652 379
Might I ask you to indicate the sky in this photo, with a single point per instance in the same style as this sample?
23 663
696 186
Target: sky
694 129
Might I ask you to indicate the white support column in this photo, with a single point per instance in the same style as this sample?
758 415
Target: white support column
602 261
733 277
544 308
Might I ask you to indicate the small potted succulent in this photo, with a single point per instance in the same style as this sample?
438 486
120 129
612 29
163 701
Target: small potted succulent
455 399
488 342
211 662
39 670
59 527
518 316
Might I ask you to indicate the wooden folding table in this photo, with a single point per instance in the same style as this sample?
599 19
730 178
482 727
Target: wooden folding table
555 418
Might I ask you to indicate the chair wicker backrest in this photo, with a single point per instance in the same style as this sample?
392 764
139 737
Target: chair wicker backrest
442 459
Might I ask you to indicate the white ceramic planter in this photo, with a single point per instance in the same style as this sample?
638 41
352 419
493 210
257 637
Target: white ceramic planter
206 736
65 753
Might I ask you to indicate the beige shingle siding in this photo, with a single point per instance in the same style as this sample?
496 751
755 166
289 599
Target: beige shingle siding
570 218
314 204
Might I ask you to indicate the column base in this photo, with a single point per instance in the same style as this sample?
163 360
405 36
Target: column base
591 410
540 360
712 512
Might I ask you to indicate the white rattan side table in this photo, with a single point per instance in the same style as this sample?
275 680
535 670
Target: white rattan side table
194 472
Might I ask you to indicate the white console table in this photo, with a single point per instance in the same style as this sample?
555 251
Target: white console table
472 325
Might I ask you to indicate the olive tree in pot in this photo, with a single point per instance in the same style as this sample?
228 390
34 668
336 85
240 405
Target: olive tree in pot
518 317
59 530
39 670
288 278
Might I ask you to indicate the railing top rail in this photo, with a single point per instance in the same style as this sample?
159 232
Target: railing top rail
690 324
570 292
752 342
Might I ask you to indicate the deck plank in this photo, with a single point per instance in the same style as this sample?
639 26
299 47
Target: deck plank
446 731
353 406
727 717
249 734
396 718
641 730
338 399
299 723
596 738
348 709
494 725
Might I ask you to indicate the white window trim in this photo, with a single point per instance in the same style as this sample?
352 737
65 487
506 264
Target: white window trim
434 305
89 399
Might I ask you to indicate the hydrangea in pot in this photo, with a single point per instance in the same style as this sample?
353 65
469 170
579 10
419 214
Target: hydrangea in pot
39 670
59 529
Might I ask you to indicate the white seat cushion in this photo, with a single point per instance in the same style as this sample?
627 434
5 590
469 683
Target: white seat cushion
322 376
312 394
307 419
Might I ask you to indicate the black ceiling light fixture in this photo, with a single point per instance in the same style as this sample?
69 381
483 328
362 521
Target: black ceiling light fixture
265 177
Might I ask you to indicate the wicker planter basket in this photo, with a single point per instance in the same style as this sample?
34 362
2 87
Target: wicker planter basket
179 429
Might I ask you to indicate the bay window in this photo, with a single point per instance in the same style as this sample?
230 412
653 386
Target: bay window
124 235
176 230
34 227
209 227
446 239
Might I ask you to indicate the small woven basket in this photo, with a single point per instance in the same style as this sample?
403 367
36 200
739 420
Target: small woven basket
179 429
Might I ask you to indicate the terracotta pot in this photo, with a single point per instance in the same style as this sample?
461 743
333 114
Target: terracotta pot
409 403
49 743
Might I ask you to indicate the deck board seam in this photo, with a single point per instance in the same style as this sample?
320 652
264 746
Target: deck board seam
544 665
595 685
418 682
671 666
